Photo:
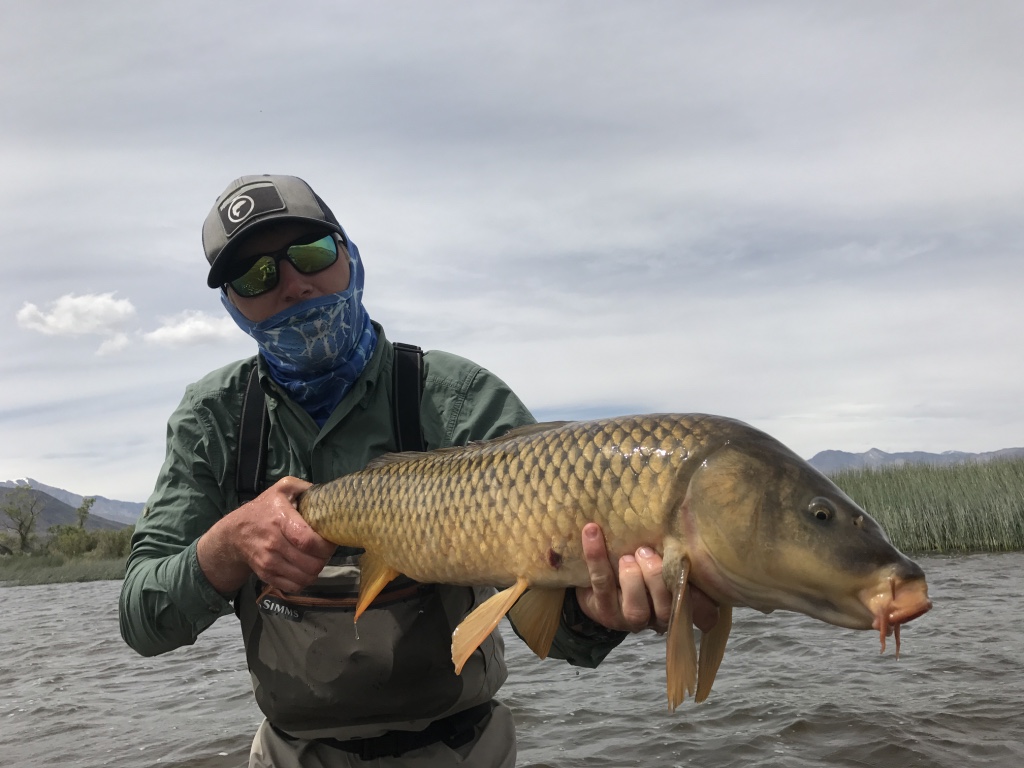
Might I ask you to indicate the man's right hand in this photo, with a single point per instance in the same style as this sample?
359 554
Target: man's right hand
267 537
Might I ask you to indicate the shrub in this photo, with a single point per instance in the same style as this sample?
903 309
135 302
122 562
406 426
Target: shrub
114 544
69 541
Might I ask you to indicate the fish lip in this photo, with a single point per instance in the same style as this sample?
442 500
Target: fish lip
895 601
901 615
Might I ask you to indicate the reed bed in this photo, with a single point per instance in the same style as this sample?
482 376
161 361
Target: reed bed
971 507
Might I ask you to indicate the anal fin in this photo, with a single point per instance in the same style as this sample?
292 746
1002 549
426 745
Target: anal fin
712 649
537 616
475 628
374 575
680 650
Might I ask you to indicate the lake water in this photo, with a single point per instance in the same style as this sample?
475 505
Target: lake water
791 691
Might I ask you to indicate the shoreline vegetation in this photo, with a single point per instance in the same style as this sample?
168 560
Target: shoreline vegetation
953 509
957 509
65 554
28 570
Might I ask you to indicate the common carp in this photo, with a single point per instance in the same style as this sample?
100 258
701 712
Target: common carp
729 508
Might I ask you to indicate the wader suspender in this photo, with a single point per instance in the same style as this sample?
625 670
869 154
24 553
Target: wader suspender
254 427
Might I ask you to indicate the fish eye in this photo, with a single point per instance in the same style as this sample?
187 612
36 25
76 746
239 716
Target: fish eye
822 509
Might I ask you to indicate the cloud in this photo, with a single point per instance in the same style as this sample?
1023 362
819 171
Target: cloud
91 314
72 315
104 315
114 344
192 327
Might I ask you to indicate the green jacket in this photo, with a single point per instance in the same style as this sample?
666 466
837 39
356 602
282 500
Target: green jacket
166 601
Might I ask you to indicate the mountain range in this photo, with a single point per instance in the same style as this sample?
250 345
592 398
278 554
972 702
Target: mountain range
110 513
831 462
104 514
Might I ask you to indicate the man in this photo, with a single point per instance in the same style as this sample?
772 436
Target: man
335 694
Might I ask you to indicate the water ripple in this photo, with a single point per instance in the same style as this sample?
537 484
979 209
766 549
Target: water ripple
791 692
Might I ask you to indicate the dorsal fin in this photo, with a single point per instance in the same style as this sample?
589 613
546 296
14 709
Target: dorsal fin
394 458
530 429
533 429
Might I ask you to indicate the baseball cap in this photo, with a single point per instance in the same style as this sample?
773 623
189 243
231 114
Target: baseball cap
251 203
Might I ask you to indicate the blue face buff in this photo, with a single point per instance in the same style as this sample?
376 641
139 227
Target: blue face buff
317 349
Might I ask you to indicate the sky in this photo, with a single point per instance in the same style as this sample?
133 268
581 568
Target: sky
804 215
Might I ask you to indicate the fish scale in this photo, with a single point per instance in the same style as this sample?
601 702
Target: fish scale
535 489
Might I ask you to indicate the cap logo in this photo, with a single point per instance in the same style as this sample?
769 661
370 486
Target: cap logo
240 208
253 200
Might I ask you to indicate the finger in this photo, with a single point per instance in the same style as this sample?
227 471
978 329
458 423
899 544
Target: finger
603 592
658 593
286 567
635 609
287 580
282 497
298 533
595 554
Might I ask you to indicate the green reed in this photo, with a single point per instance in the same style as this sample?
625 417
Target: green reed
971 507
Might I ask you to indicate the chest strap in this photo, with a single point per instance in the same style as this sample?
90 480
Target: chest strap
407 387
253 434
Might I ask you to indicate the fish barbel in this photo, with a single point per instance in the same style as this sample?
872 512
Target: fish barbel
729 508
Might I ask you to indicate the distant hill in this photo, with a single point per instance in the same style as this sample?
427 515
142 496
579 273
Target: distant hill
126 512
830 462
56 512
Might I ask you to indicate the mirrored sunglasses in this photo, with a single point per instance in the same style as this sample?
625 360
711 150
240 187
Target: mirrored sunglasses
261 273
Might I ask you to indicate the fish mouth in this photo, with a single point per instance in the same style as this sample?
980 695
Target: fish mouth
893 602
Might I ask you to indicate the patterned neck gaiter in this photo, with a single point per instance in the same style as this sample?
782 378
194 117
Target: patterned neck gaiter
317 349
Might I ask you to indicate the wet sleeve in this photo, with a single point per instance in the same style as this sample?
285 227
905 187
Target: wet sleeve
166 600
580 640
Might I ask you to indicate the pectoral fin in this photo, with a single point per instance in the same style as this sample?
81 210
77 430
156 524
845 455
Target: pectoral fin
680 650
475 628
536 616
374 575
712 649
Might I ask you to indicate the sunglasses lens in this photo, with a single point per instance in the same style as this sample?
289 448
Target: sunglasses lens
312 257
307 258
259 278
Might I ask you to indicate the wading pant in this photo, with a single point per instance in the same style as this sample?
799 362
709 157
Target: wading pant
493 747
